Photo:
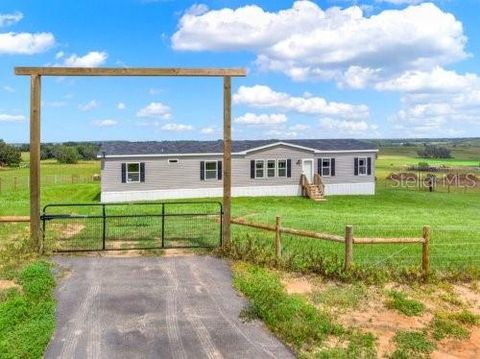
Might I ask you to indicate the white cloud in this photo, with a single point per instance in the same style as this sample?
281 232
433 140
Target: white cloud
8 88
401 2
10 19
261 96
261 119
91 59
25 43
176 127
155 110
207 131
435 103
105 123
121 106
436 80
348 127
59 55
90 105
11 118
306 42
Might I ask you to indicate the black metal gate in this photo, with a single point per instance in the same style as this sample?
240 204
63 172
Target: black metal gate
105 226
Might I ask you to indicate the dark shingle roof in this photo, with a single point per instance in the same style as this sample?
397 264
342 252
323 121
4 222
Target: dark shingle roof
185 147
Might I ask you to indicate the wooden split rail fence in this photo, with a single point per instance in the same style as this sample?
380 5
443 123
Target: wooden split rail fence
348 240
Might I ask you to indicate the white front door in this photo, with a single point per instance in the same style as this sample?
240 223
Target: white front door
307 169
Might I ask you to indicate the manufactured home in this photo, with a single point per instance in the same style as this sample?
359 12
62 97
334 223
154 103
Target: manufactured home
139 171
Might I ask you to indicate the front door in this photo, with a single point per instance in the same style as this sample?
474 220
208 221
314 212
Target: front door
307 169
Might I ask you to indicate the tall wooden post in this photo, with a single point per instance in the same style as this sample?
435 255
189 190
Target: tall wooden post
227 157
35 231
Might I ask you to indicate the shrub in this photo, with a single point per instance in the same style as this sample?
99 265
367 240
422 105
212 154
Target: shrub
412 344
433 151
65 154
9 155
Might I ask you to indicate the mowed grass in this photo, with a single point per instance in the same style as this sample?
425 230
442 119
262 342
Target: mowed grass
392 212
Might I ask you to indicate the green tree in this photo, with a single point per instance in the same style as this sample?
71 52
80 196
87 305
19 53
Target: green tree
66 154
9 155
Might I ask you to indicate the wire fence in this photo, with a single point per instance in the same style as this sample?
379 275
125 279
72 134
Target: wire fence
17 183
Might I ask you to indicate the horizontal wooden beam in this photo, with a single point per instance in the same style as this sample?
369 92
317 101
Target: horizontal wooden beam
14 219
129 71
296 232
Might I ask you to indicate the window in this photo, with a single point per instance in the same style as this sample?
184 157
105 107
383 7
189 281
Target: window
326 167
259 169
133 172
271 166
172 161
211 170
282 168
362 166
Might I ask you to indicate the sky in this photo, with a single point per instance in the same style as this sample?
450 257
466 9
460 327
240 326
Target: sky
316 69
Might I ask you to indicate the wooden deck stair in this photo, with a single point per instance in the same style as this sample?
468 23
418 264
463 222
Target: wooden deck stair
316 190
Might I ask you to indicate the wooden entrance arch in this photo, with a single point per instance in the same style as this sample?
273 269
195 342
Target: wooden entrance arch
36 74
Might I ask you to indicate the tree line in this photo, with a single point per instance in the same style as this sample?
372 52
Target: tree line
67 152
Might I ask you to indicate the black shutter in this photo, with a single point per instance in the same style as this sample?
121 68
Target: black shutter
355 169
142 171
289 168
202 171
319 166
219 170
124 173
252 169
369 166
332 165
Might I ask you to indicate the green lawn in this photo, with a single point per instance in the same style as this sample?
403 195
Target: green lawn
390 213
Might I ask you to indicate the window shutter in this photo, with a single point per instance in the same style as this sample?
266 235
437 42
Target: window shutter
202 171
142 171
252 169
319 166
124 173
289 168
332 167
369 166
219 170
355 170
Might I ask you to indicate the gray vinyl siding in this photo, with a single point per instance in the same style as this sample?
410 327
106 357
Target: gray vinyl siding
160 174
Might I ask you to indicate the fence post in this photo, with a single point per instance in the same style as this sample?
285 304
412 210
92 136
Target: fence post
425 250
348 247
104 232
163 225
278 238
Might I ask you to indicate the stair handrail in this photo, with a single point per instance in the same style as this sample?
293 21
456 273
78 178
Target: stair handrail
317 180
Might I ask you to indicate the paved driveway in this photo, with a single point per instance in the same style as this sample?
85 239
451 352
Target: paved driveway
154 307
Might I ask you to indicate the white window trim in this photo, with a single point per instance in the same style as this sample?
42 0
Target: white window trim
173 161
329 166
205 171
264 170
278 168
366 166
127 172
274 168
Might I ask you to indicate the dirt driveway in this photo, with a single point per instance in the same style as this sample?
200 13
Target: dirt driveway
154 307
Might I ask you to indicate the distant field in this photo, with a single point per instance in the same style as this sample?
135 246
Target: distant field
391 212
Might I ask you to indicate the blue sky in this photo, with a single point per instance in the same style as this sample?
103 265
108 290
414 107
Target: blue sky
323 69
